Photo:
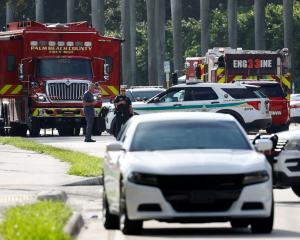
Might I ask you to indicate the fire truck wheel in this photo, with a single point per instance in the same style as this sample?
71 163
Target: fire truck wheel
237 116
18 130
76 131
34 131
66 131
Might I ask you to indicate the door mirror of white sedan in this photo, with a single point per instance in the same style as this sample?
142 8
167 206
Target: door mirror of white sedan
114 146
262 145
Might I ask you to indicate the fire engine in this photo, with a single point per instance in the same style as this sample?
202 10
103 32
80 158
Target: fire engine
44 71
257 67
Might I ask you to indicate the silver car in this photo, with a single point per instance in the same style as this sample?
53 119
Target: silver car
186 167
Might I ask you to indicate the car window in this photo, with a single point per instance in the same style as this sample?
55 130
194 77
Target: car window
242 93
191 134
273 90
129 95
173 95
201 93
123 132
141 95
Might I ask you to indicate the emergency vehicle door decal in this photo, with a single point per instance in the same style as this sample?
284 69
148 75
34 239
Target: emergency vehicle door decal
10 89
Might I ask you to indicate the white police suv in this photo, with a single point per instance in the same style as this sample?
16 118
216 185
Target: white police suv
246 103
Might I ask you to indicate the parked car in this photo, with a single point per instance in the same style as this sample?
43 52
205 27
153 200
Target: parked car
136 94
246 103
186 167
295 108
279 106
287 162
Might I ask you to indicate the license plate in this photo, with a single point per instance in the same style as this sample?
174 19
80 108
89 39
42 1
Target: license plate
207 197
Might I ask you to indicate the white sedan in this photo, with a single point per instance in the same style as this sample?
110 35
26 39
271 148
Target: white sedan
295 108
191 167
287 163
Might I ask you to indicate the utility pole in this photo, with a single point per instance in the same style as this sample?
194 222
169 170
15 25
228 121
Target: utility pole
232 23
176 12
132 11
9 12
39 10
98 15
70 10
205 25
288 24
259 21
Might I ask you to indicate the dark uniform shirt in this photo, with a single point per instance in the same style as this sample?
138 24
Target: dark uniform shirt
123 108
89 111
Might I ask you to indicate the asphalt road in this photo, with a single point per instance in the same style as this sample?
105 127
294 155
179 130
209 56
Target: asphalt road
287 208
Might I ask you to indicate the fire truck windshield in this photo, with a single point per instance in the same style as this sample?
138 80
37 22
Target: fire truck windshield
64 67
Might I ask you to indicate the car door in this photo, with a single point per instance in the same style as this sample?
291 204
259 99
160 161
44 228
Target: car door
170 100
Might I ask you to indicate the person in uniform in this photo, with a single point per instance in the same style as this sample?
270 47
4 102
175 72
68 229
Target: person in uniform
123 109
89 111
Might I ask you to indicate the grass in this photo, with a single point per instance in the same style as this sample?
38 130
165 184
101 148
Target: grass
40 221
81 164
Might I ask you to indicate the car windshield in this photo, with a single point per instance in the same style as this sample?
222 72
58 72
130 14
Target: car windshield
64 67
191 134
272 90
140 95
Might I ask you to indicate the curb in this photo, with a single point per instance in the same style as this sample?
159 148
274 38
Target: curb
52 195
74 224
86 182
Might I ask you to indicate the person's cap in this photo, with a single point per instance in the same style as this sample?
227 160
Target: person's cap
123 87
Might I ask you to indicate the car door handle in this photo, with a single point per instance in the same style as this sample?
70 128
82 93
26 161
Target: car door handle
214 102
177 105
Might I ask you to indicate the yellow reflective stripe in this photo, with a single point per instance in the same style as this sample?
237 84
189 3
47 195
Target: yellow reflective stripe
220 70
221 80
17 89
35 112
113 90
5 89
237 77
286 82
103 91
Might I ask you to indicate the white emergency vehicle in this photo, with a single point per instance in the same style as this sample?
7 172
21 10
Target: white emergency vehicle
246 103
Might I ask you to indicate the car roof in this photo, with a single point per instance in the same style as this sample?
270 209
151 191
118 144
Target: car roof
145 89
173 116
192 85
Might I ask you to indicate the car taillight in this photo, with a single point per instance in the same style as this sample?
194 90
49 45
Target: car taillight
255 104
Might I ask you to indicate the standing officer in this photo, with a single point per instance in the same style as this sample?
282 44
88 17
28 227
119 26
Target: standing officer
123 109
89 111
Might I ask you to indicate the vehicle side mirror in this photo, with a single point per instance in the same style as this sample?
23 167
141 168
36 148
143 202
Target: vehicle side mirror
114 147
21 72
145 99
262 145
156 99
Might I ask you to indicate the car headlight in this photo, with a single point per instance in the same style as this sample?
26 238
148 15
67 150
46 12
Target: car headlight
293 145
256 177
143 179
40 98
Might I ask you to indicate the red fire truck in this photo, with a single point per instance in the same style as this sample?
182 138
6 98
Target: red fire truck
267 69
44 71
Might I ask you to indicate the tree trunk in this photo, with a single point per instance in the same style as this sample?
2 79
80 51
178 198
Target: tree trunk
288 24
39 10
152 72
98 15
160 12
132 11
176 11
259 20
205 25
232 23
9 12
125 32
70 10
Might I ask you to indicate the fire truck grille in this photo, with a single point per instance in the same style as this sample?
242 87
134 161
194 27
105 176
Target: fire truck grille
66 92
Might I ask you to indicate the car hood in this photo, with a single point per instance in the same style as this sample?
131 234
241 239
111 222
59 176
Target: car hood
195 162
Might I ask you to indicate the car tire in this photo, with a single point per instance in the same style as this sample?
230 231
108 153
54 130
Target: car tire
110 221
263 225
239 223
127 226
296 190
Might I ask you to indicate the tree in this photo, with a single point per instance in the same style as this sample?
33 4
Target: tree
259 10
97 7
152 72
176 12
232 23
205 23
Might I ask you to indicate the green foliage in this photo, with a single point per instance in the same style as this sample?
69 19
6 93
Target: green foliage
81 164
40 221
